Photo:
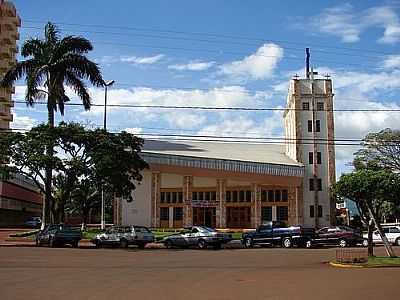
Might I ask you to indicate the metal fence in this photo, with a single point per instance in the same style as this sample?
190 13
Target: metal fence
352 255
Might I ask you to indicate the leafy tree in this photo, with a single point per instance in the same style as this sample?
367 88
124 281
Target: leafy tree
97 156
381 151
370 190
54 63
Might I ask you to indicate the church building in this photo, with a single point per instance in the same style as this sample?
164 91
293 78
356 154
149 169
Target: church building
241 185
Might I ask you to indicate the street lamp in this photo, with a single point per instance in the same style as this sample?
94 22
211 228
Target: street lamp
106 85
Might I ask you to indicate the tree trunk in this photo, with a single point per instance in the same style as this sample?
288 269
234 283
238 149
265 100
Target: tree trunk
370 242
48 203
388 247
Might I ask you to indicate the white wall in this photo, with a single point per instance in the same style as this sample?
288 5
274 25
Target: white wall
138 212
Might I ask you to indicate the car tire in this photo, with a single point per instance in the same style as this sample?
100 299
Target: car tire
75 244
37 242
343 243
217 246
123 243
52 243
397 242
142 245
98 244
248 243
202 244
168 244
365 243
287 242
308 244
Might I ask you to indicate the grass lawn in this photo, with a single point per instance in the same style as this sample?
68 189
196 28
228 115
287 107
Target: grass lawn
379 261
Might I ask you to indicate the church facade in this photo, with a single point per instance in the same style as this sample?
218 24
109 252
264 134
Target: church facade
241 185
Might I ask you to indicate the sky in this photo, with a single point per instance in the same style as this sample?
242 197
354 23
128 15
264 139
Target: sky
226 54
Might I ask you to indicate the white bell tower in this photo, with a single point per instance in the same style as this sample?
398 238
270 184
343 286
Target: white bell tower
309 132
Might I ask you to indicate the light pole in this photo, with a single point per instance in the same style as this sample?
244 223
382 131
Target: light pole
106 85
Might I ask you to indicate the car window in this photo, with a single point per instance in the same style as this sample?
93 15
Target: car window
386 230
395 230
194 230
142 229
323 230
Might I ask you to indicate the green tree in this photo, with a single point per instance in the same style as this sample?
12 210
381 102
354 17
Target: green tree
370 190
98 156
381 150
54 63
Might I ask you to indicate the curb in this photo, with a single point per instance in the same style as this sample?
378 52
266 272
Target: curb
349 266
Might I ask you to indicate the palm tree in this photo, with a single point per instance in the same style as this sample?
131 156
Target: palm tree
52 64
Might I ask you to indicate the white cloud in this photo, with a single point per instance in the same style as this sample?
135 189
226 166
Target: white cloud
23 122
344 22
194 65
145 60
134 130
135 60
259 65
391 61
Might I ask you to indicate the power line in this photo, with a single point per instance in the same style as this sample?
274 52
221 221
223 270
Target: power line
212 107
236 139
235 37
197 50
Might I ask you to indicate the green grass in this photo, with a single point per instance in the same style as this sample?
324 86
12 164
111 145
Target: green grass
385 261
25 233
91 233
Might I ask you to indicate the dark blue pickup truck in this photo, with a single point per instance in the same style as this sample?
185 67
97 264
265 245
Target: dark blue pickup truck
278 233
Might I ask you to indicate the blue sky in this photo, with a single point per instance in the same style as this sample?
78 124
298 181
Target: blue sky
228 53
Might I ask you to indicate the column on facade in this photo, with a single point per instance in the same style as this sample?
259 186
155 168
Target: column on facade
187 187
221 205
155 198
255 205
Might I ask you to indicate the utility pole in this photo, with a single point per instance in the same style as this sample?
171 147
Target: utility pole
106 85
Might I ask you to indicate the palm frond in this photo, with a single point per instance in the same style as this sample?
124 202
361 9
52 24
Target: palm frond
79 87
33 47
82 67
74 44
51 34
20 69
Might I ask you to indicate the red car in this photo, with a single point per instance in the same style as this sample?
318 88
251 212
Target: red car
342 236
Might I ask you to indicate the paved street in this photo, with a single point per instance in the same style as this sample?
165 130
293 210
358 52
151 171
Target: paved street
64 273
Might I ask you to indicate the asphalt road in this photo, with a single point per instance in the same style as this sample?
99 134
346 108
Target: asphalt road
112 274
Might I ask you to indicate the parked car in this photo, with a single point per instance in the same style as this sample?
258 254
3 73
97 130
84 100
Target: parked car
199 236
58 235
278 233
342 236
392 233
123 236
33 222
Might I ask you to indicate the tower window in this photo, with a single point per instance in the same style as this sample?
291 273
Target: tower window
311 184
310 158
320 106
309 126
311 211
306 106
319 158
319 211
319 184
317 126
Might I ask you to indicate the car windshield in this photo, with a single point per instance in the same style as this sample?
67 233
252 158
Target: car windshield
142 229
208 229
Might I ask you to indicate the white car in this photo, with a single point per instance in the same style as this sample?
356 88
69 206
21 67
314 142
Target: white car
392 233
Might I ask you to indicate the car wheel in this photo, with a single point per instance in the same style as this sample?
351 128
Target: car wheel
98 244
248 243
37 242
142 245
52 243
308 244
286 242
75 244
123 243
202 244
168 244
365 243
343 243
397 242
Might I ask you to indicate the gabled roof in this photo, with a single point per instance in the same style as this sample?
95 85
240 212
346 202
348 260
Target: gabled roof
228 156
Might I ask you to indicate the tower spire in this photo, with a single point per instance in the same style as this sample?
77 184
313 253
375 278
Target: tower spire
307 62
